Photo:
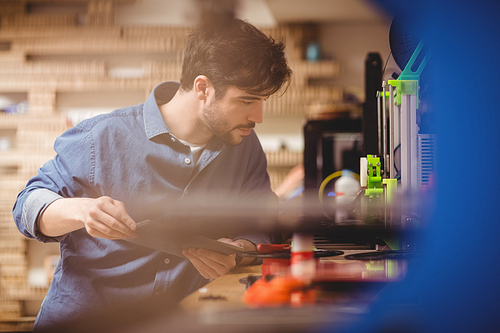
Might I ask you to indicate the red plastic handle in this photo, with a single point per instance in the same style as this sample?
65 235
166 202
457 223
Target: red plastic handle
273 248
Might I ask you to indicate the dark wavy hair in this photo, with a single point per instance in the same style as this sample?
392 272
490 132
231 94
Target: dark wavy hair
235 53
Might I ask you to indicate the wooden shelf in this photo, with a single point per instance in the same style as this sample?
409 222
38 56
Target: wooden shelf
18 324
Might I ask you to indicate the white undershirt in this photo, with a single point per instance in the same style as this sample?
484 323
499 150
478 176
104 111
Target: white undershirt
196 150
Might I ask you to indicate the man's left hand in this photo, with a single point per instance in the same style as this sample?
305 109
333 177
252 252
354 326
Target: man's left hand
212 264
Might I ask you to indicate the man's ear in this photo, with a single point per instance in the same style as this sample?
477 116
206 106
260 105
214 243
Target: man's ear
202 86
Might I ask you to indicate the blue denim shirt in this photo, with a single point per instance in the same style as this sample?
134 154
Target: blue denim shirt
129 155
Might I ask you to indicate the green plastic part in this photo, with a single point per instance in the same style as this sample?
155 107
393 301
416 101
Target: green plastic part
407 87
409 79
390 188
374 186
380 93
374 266
374 192
392 269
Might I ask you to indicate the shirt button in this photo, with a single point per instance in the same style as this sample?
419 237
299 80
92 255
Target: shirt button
166 261
187 160
173 139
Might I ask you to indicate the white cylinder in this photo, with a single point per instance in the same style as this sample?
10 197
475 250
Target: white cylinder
303 264
302 242
363 171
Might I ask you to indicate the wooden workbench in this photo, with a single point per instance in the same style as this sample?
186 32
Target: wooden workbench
222 293
226 292
219 308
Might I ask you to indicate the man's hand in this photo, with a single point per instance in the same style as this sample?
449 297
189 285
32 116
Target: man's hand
103 217
107 218
212 264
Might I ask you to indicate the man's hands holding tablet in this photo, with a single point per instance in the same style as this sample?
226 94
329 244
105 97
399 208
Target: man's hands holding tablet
212 264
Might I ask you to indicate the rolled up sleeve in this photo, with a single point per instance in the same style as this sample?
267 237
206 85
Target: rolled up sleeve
35 205
66 175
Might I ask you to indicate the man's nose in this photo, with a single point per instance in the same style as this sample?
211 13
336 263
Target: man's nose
256 113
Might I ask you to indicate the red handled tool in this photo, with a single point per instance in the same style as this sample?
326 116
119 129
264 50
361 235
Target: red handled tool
273 248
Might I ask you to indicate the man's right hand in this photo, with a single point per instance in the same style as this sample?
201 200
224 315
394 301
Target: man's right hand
107 218
102 217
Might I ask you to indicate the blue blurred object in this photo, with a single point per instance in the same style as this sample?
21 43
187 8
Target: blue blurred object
454 285
313 52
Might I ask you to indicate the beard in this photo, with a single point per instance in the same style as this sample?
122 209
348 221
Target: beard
221 127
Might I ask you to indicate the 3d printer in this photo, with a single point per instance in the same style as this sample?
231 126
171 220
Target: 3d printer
383 214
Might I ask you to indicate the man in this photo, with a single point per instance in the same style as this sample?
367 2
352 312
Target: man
115 170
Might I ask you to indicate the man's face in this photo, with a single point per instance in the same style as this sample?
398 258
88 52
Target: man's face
233 116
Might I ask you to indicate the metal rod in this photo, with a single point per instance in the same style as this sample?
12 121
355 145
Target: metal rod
405 143
384 130
392 170
379 130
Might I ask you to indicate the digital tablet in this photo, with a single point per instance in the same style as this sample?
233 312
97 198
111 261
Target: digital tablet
161 237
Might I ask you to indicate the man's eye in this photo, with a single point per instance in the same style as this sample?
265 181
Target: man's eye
247 102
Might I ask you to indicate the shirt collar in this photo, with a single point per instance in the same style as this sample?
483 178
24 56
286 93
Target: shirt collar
153 120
